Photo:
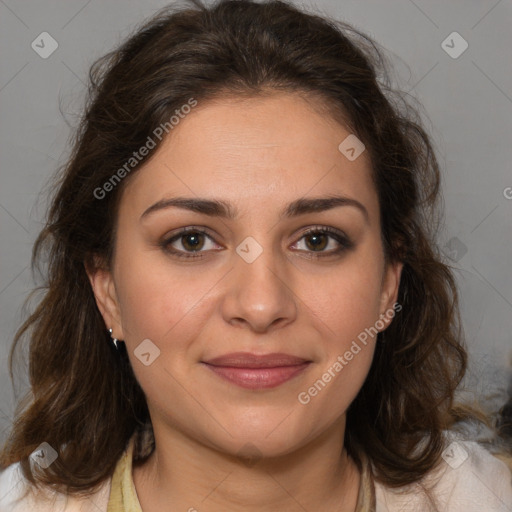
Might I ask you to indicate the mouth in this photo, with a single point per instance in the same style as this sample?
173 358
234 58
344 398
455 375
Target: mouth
252 371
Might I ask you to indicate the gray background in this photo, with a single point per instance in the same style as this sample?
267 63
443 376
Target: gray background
468 101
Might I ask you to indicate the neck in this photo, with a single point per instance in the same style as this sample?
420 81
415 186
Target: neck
191 476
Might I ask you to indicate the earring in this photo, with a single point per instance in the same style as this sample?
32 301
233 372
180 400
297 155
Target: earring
114 340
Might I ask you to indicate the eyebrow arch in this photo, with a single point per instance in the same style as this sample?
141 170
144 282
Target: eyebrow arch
218 208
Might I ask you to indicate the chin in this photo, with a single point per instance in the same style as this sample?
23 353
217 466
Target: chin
271 438
253 449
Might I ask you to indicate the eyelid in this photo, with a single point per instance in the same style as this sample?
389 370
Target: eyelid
166 242
344 241
325 229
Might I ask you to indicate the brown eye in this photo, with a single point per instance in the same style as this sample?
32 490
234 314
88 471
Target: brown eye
318 239
192 241
187 242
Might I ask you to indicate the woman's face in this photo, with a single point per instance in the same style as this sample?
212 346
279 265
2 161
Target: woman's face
260 173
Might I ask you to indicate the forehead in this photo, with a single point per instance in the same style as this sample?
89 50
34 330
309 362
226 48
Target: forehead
254 151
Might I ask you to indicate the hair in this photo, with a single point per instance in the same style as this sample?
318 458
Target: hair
84 399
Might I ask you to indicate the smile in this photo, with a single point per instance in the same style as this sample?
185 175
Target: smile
252 371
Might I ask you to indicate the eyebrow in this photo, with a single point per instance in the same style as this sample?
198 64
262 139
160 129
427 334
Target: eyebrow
219 208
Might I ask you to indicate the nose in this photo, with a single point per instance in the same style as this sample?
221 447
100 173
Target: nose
259 294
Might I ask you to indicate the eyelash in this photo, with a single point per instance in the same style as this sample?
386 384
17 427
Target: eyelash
339 236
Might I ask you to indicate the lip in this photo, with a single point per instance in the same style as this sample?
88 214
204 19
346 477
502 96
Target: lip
253 371
249 360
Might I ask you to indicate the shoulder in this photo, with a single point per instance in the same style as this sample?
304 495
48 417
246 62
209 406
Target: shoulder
468 479
18 495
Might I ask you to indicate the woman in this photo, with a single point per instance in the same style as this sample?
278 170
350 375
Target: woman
245 308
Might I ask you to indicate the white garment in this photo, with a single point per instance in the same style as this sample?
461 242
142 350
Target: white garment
472 481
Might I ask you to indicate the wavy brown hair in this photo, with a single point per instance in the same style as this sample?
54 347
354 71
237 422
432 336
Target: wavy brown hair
84 399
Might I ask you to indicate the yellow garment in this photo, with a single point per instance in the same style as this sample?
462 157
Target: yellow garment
123 495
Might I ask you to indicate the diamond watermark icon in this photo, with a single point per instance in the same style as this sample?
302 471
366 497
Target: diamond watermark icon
455 249
351 147
147 352
44 45
249 249
44 455
455 455
250 454
454 45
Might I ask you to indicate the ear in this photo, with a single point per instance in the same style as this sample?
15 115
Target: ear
104 290
389 292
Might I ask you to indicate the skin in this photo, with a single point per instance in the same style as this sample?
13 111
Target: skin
258 155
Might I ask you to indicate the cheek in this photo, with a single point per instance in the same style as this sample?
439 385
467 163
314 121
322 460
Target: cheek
348 311
333 388
155 302
349 299
348 307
